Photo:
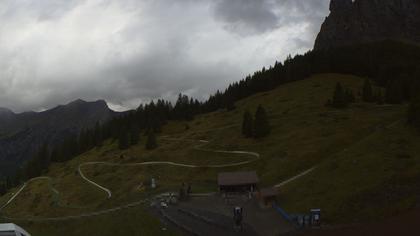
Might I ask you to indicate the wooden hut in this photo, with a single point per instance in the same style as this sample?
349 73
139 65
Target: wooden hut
268 196
231 182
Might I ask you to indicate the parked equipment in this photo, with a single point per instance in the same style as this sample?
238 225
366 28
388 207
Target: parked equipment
315 217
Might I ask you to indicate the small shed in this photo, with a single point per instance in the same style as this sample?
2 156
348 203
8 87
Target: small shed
268 196
237 181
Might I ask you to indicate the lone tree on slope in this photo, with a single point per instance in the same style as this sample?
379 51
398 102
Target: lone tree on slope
339 98
247 124
367 93
261 124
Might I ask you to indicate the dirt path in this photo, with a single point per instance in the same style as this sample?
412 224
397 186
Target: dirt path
391 125
254 157
295 177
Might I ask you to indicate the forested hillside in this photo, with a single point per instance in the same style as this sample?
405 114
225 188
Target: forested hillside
391 65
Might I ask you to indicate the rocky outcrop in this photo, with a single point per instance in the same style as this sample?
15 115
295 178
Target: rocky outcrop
362 21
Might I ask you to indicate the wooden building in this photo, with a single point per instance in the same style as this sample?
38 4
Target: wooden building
268 196
230 182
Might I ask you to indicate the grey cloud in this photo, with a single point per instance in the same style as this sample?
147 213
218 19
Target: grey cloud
297 11
246 16
249 17
127 51
39 10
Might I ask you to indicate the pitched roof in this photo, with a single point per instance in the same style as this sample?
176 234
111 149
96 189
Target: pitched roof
237 178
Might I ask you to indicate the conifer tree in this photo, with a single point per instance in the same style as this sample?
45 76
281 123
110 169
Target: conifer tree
151 142
339 98
349 96
123 142
247 124
97 135
3 188
367 93
134 135
261 124
55 155
379 98
413 115
43 157
230 105
394 92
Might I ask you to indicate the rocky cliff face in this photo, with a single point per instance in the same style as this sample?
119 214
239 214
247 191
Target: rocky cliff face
362 21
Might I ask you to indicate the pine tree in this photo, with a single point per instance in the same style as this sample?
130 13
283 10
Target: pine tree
134 135
123 142
247 124
44 158
379 98
394 92
413 115
56 155
230 105
339 98
97 135
367 93
151 142
261 124
3 188
349 96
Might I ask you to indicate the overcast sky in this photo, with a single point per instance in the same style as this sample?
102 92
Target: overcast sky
131 51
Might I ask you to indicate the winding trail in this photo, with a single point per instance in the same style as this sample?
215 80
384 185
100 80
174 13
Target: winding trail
254 157
55 191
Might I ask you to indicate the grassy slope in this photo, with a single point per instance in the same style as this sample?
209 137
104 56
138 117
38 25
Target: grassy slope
359 151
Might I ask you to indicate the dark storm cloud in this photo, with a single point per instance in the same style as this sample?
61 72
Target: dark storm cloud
129 51
259 16
247 16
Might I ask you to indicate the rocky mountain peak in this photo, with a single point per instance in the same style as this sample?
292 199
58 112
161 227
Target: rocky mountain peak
83 103
363 21
340 5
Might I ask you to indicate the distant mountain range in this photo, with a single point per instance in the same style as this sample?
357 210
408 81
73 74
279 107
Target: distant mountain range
22 134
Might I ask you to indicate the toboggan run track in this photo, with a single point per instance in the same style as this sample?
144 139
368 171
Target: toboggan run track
254 157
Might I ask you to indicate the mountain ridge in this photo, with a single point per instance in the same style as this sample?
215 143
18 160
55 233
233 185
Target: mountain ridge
79 101
23 133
